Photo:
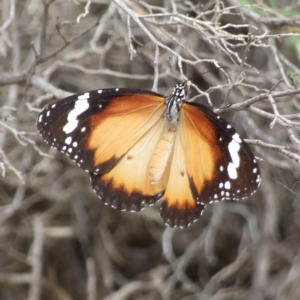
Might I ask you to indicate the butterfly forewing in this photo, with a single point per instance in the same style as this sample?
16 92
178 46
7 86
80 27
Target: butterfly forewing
65 125
89 127
111 134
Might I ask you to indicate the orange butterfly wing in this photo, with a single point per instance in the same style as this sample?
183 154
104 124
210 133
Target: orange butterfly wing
124 137
136 153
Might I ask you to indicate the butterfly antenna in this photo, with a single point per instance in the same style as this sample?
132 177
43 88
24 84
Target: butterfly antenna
205 73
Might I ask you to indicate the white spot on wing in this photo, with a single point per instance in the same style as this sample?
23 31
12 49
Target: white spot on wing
84 96
79 108
231 170
233 148
68 140
227 185
237 138
258 179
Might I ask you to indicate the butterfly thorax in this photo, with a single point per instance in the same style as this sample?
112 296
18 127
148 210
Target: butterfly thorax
174 103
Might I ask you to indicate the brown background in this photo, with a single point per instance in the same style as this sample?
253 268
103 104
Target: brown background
58 241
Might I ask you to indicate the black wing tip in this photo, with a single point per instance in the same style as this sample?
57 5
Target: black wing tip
177 217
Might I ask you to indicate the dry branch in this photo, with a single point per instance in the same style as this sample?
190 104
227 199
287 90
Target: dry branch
58 240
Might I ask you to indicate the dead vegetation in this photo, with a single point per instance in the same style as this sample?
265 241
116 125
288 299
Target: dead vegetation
57 239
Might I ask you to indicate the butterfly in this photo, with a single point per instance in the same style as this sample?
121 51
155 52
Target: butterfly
140 147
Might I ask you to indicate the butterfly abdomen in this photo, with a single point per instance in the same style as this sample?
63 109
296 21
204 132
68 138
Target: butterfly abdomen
162 154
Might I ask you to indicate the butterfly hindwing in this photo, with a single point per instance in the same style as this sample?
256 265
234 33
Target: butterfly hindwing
179 208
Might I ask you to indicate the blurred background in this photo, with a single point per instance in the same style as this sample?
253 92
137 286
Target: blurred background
57 240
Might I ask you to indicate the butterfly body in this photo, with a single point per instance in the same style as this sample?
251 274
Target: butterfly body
139 146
